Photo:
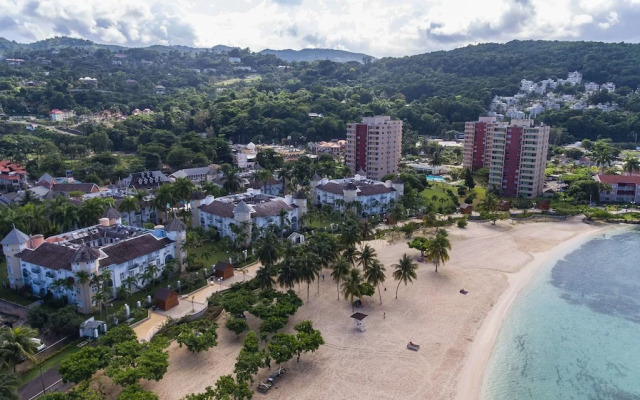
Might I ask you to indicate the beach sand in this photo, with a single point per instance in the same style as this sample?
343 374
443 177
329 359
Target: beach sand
454 331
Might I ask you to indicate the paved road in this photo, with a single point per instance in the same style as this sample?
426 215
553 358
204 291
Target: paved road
52 383
51 128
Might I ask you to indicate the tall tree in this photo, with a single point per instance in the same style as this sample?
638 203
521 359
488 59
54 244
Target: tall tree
375 275
351 285
129 205
438 250
405 271
365 257
17 343
631 165
339 271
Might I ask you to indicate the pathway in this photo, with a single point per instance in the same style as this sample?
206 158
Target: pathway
188 304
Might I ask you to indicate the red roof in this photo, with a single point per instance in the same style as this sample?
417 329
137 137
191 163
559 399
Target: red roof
617 179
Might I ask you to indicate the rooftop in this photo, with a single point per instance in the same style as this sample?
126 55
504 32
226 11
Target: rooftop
260 205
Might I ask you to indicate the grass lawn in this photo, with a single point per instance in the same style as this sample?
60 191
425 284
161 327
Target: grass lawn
441 197
50 362
439 190
217 255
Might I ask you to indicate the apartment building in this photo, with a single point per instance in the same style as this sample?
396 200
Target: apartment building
38 264
619 188
374 146
515 154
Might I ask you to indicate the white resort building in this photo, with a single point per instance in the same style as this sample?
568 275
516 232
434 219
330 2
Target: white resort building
248 211
375 197
121 251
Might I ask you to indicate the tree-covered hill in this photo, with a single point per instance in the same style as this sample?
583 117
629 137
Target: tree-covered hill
244 96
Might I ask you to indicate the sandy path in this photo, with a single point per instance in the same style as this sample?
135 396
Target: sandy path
376 364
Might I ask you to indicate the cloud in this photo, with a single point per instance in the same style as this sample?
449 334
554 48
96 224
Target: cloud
115 22
376 27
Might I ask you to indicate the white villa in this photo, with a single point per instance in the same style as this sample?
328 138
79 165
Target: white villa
121 251
374 196
252 210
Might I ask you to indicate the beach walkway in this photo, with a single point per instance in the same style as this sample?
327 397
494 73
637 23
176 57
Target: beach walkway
190 303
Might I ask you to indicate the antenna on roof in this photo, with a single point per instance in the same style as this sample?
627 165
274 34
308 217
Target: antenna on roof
14 225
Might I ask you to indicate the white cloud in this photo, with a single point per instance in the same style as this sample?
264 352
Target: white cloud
377 27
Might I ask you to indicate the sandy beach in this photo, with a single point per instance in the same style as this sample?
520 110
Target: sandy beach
455 332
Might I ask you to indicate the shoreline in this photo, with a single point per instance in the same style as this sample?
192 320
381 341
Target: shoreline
471 377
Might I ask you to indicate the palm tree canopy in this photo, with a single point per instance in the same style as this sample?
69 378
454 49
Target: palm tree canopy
366 256
405 270
375 273
489 203
351 284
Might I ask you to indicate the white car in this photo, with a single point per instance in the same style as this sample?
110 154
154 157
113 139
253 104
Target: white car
38 342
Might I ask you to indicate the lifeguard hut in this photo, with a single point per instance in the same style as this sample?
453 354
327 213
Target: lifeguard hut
357 319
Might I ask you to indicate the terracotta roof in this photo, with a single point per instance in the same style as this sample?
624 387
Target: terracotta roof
74 187
133 248
617 179
48 255
222 265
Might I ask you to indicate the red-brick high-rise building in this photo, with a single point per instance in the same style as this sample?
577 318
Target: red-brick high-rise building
374 146
515 154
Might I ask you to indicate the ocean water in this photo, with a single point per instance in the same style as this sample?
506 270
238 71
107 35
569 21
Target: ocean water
574 331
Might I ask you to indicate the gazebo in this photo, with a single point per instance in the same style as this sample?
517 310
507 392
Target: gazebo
223 270
357 319
166 299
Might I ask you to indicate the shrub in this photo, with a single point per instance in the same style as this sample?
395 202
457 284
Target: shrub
462 223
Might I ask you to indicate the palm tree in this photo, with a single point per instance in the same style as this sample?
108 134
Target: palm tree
164 198
284 174
339 270
365 257
325 247
129 282
264 277
349 254
375 275
8 386
366 229
287 273
308 266
231 181
182 189
489 203
129 205
631 165
82 280
437 251
405 271
268 249
17 343
263 176
150 273
351 284
283 215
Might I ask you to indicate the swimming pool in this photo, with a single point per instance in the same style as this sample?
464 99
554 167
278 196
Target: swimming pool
435 178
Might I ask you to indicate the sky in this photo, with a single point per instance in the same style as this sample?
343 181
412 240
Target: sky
375 27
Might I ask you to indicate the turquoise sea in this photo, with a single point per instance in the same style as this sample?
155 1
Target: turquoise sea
574 331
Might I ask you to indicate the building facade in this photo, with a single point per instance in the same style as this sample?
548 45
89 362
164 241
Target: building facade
107 248
374 197
374 146
515 154
246 213
620 188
